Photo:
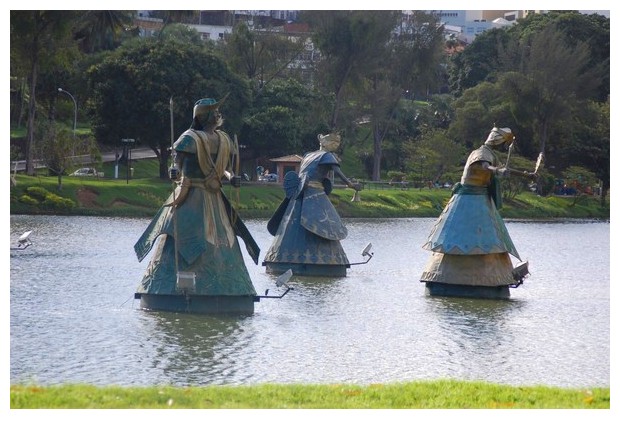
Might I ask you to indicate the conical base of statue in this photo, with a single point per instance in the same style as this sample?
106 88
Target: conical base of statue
201 304
309 270
467 291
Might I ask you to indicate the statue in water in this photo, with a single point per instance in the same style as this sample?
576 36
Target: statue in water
470 243
306 226
198 265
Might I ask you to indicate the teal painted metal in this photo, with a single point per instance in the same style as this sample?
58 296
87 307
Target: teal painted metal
238 305
467 291
470 243
197 234
307 227
470 225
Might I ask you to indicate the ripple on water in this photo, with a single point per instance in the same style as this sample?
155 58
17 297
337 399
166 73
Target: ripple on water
74 319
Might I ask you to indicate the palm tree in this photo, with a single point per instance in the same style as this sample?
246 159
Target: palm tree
99 30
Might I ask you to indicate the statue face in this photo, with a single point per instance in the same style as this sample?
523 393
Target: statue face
329 142
210 118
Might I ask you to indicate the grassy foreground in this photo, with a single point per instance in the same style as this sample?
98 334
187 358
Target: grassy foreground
414 395
143 195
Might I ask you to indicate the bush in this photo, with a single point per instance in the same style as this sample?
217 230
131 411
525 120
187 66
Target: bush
396 176
53 201
36 195
37 192
27 199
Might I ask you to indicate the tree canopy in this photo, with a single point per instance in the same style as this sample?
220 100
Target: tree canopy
132 88
285 119
377 79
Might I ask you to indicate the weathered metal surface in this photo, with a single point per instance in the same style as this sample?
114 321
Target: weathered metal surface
310 270
197 265
198 304
307 232
467 291
470 243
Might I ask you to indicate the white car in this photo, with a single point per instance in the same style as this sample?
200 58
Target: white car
85 171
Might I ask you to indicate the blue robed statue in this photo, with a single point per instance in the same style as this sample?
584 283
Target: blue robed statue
306 227
470 242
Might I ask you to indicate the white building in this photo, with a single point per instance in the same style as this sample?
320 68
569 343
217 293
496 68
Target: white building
467 24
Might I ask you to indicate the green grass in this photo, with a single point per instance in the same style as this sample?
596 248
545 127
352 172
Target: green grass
421 395
143 194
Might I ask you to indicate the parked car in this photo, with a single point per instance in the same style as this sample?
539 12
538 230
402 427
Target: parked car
84 171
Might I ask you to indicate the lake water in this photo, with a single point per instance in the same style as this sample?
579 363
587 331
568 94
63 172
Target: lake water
73 318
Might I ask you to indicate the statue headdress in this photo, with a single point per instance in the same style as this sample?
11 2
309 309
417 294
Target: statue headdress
499 136
329 142
206 105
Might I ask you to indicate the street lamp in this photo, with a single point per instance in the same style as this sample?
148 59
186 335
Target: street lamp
74 108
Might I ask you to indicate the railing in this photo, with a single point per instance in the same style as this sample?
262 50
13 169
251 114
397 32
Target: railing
38 163
369 184
405 185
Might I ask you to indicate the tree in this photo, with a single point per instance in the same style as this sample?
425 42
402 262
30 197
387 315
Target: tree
433 155
35 37
591 147
554 78
370 59
132 88
57 143
351 43
415 52
593 30
185 34
260 55
478 61
103 29
285 118
55 148
477 111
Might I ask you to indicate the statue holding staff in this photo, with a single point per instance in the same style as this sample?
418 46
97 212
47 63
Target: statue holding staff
470 243
198 265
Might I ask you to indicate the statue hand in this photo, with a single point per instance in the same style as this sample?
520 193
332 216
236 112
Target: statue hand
502 172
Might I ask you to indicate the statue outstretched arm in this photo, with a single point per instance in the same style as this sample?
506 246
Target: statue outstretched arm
345 179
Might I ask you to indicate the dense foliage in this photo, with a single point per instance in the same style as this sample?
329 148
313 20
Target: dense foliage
136 87
381 79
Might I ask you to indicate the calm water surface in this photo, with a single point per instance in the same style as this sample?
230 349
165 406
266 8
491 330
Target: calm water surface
73 318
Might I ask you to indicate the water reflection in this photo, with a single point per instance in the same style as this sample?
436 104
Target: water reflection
479 337
73 319
195 348
479 325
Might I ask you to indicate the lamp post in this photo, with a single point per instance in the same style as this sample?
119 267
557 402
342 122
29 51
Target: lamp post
74 116
74 108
